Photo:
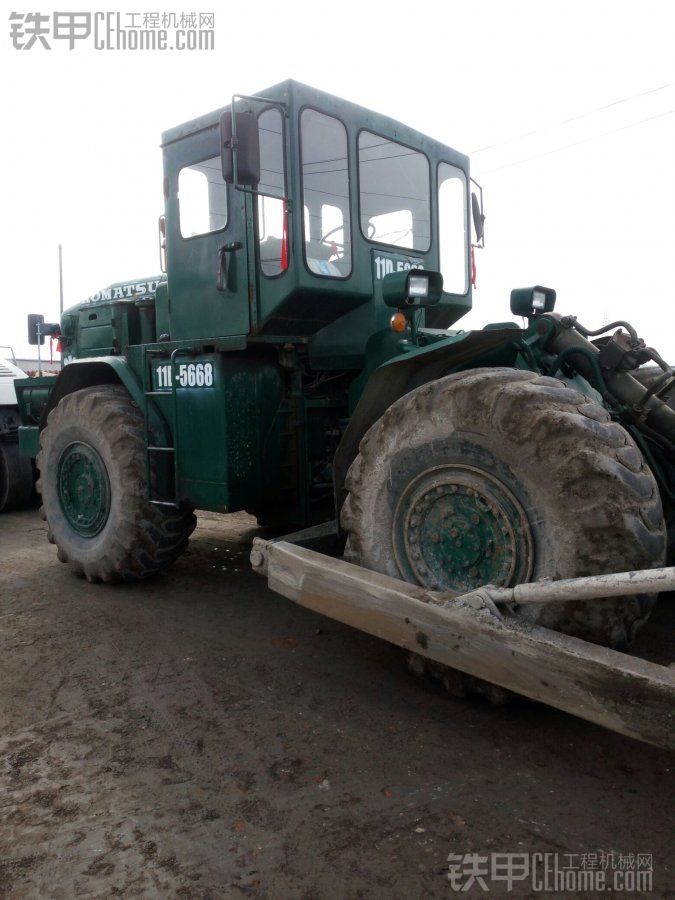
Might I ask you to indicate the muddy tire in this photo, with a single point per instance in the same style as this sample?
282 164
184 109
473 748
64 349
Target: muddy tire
502 476
94 490
16 479
647 375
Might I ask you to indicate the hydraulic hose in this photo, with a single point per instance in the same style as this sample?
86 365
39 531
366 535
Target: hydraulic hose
605 328
621 386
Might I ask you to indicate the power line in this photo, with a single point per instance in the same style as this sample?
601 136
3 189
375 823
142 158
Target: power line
584 115
595 137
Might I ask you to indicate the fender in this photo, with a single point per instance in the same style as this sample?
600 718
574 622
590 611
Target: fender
404 373
82 373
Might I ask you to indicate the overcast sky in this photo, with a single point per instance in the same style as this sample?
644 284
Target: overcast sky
595 221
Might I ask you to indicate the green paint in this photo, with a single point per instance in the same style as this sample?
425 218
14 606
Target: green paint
457 528
83 489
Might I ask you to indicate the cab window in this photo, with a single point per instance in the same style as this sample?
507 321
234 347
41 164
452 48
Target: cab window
325 184
272 224
394 193
452 235
202 198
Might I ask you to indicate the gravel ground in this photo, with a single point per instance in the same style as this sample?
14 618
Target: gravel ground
200 737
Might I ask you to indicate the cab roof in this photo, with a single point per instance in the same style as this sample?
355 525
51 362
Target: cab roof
295 95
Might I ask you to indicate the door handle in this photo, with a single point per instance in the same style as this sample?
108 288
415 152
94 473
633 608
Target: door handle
224 264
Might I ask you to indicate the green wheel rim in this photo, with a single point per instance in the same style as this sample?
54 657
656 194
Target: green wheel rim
456 528
84 489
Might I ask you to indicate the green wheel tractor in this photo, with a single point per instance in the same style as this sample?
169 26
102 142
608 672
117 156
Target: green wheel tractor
299 357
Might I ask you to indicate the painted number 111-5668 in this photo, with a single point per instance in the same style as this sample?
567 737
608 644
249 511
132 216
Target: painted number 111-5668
186 375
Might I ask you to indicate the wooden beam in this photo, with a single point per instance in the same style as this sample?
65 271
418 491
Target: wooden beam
620 692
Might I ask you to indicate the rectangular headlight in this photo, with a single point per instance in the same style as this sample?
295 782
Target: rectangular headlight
529 302
418 286
538 300
409 288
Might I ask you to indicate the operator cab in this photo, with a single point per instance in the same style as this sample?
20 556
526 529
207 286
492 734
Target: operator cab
286 210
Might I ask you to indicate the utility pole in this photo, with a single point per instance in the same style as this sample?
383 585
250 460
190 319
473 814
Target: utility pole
60 279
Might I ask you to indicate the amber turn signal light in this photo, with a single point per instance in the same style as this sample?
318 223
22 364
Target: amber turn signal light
398 322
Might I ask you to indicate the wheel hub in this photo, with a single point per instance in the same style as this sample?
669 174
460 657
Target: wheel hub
84 489
457 527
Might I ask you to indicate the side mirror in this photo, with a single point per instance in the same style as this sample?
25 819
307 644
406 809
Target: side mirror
478 217
246 145
34 323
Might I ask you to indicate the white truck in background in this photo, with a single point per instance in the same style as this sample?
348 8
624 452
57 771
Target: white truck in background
16 472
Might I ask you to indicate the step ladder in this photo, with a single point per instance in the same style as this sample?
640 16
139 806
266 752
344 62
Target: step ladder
169 450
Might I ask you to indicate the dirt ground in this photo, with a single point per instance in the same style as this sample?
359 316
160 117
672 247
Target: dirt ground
200 737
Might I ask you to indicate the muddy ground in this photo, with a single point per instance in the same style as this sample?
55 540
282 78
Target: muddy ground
201 737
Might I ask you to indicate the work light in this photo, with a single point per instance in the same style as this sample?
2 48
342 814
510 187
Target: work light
531 301
538 300
412 287
418 286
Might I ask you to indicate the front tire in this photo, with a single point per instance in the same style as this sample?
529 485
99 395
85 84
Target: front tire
502 476
94 490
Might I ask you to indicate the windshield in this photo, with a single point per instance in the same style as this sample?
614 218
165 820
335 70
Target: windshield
394 193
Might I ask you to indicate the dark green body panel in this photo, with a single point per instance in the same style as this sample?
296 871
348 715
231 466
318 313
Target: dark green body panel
228 436
32 396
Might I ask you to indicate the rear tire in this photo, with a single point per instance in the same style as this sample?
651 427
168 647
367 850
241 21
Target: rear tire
504 476
16 478
94 490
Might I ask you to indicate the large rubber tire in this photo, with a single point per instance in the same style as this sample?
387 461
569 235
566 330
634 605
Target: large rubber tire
16 478
647 375
137 538
585 495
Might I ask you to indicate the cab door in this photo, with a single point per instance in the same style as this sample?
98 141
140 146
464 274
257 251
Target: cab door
206 243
